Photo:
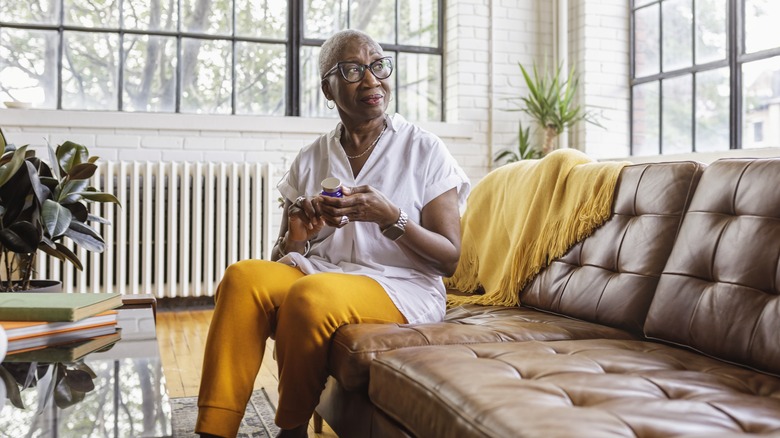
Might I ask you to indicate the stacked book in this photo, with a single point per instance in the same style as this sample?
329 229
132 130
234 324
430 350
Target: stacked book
57 327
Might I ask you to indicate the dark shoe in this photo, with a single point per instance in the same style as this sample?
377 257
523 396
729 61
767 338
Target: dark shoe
298 432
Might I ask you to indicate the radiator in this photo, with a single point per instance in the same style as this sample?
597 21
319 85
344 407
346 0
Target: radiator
180 225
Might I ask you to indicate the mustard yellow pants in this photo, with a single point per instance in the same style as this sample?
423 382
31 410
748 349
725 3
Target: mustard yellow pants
257 299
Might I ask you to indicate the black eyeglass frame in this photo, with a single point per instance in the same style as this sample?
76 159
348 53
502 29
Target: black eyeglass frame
363 68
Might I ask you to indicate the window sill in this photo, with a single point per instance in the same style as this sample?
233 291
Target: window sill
195 122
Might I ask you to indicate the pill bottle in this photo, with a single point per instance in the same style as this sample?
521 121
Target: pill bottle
331 187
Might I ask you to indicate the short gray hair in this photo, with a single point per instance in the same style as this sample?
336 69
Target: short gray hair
331 48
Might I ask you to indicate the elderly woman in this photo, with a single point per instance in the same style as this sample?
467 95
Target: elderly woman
374 255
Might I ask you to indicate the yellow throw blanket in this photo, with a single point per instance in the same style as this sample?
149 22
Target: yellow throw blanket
523 215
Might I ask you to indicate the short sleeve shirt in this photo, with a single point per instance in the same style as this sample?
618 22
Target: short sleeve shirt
408 165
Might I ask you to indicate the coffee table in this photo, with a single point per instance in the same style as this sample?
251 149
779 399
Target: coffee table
129 398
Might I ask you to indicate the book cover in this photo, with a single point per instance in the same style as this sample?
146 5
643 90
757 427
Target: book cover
59 338
24 329
55 306
69 352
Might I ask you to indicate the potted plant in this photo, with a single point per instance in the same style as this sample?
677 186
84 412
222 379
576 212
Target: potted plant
525 151
40 204
550 103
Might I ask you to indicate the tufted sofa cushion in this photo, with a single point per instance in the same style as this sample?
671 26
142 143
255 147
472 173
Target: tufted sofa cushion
593 388
720 291
352 352
610 277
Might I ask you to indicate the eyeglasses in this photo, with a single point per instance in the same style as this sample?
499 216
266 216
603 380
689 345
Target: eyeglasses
353 72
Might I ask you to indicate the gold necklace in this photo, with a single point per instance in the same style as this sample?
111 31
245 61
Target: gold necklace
352 157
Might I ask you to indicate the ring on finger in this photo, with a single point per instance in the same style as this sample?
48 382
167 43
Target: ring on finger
344 221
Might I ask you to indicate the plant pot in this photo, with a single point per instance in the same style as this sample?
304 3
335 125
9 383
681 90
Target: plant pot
43 286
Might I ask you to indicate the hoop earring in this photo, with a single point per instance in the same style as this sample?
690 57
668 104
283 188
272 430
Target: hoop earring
327 104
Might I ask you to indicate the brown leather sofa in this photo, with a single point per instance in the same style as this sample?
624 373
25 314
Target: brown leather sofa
664 322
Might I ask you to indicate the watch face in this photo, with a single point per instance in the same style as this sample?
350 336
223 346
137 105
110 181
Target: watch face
393 232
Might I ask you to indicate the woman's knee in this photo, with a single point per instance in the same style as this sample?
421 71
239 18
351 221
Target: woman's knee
315 293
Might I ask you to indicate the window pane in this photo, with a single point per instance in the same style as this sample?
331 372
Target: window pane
646 125
374 17
761 102
150 73
646 42
89 13
90 71
711 27
677 115
149 15
212 18
638 3
260 78
312 99
419 22
712 110
678 35
419 86
322 18
261 19
44 12
28 66
205 76
761 21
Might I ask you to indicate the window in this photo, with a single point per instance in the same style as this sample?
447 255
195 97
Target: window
208 56
703 72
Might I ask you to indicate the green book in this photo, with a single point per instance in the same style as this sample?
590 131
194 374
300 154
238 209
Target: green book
54 306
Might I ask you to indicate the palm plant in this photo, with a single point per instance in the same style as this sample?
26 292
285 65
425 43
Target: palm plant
550 102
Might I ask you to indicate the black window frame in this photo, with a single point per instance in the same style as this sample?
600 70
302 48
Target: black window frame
294 42
735 58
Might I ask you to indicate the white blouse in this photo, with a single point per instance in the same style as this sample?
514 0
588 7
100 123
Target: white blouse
408 165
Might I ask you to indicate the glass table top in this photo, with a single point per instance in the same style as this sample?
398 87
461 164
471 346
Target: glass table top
119 392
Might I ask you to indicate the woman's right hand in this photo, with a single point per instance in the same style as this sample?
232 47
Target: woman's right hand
303 222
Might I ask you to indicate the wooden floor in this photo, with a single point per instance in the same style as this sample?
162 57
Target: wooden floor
182 338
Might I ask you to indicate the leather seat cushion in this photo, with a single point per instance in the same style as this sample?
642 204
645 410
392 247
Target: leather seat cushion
355 346
591 388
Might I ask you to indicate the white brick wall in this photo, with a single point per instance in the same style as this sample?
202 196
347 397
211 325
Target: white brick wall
599 45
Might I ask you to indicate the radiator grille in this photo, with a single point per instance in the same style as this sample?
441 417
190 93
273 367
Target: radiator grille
179 227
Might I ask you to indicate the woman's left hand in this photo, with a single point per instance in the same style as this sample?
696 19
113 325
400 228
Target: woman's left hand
359 204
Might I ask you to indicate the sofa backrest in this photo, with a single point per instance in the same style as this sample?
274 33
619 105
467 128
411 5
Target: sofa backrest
610 277
720 291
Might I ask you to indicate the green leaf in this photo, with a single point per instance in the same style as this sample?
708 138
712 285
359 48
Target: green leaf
98 219
63 253
56 218
70 192
70 154
82 171
42 192
100 197
54 162
85 237
79 380
78 210
9 169
12 389
21 237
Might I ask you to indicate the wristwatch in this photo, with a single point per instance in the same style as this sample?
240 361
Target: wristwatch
398 229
